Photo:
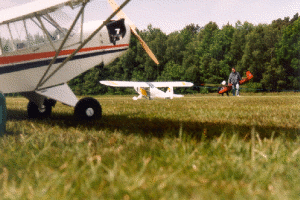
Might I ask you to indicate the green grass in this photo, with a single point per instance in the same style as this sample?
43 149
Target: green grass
197 147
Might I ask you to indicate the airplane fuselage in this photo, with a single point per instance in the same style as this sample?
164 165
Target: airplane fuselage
152 92
22 69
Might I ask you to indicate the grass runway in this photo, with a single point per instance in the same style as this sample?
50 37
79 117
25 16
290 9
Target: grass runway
196 147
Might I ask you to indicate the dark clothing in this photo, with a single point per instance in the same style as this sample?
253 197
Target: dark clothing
234 78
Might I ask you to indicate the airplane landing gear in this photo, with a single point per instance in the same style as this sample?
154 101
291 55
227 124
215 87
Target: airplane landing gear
88 109
45 111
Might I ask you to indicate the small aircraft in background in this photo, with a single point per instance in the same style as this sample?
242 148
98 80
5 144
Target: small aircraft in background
149 90
42 48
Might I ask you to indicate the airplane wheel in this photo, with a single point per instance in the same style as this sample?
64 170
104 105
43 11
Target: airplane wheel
88 109
35 112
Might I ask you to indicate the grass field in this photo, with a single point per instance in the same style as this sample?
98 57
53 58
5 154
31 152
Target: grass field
197 147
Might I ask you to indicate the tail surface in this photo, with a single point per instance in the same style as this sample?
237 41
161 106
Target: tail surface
249 77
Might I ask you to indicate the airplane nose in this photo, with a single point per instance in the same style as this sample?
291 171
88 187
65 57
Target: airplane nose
116 30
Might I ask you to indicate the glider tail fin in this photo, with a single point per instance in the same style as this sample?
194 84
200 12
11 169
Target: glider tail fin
249 76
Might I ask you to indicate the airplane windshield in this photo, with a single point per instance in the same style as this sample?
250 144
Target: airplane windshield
151 85
33 32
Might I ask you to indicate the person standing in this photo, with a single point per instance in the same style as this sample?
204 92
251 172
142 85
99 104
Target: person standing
234 79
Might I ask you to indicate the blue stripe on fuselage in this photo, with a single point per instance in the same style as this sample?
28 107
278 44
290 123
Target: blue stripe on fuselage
41 63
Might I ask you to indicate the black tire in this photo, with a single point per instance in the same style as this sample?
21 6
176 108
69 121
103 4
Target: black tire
50 102
34 112
88 109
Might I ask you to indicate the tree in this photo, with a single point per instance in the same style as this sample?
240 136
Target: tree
221 42
172 72
238 43
273 79
175 48
253 58
288 53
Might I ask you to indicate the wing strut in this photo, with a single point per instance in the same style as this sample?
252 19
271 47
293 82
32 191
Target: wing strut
46 32
61 46
85 42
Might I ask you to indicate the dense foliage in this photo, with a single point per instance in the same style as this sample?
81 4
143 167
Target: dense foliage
206 55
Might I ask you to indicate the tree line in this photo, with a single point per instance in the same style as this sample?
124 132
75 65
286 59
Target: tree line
206 55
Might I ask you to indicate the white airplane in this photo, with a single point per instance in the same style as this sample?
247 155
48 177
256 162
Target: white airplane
40 51
149 90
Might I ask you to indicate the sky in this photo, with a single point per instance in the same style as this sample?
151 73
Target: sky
174 15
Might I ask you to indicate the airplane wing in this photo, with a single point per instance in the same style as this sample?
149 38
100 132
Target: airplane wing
124 84
147 84
34 8
173 84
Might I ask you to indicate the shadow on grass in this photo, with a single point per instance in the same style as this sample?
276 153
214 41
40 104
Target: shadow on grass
155 127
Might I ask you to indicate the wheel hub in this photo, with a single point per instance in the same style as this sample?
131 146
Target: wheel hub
42 109
89 112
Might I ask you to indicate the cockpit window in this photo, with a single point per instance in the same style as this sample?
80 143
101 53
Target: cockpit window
32 32
151 85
